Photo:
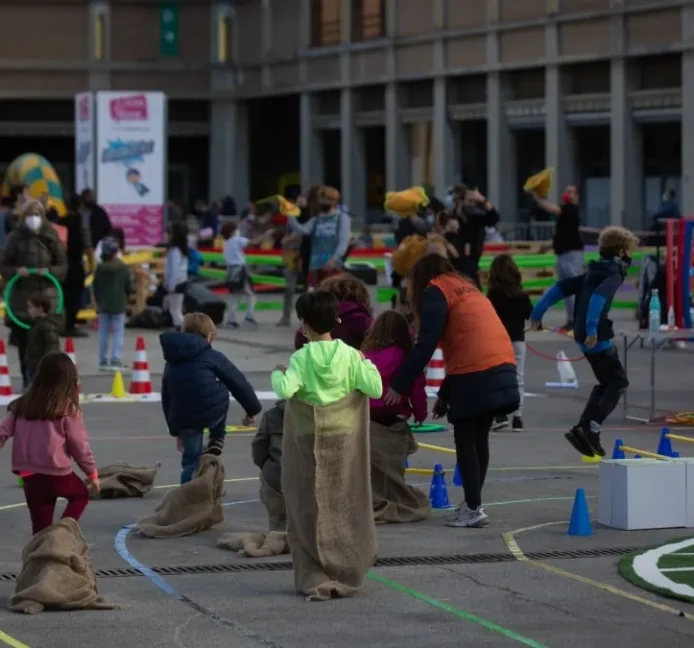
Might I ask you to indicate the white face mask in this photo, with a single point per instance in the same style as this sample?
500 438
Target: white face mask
33 223
449 201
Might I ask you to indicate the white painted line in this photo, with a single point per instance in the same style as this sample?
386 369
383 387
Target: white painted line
677 569
646 568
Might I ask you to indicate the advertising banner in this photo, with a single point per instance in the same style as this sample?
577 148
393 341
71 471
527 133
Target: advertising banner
131 165
84 141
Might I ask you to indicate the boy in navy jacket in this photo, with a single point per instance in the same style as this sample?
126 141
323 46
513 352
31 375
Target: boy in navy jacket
594 291
195 390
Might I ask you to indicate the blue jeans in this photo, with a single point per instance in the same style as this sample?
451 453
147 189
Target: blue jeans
111 323
192 441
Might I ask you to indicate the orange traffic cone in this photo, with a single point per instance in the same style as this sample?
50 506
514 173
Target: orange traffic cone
140 382
436 372
71 353
5 384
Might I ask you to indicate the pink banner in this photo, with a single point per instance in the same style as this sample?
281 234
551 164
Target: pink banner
142 224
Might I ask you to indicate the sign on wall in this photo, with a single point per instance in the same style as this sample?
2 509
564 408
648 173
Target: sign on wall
131 163
84 141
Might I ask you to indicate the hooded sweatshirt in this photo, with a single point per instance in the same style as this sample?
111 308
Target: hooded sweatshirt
355 320
321 373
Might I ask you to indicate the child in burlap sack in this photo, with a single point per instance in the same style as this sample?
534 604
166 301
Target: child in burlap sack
325 454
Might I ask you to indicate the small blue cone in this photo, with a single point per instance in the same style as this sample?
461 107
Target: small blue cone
675 454
638 457
664 444
617 453
407 463
580 518
438 494
457 477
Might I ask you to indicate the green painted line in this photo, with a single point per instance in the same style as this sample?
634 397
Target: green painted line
461 614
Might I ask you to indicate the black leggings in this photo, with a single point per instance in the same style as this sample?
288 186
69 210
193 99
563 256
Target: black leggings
471 437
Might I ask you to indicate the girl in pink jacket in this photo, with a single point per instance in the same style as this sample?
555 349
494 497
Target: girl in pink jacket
48 430
387 344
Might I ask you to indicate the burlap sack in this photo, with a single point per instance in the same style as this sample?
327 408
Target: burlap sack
327 491
393 499
57 573
273 501
194 507
124 480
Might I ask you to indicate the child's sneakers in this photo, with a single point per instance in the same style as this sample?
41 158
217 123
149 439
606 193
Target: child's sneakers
517 424
466 517
500 423
215 447
104 366
118 365
585 441
233 325
251 320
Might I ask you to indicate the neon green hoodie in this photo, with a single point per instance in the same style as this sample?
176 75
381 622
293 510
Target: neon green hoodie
321 373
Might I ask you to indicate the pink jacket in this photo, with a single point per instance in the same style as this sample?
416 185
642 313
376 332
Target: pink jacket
48 447
387 362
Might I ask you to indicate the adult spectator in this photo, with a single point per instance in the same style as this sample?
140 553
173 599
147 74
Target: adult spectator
94 219
567 242
33 244
209 223
19 194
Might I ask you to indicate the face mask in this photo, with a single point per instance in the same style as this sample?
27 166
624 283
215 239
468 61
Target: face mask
325 207
250 218
33 223
626 260
449 201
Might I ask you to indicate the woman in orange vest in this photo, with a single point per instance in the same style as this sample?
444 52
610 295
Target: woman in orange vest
452 313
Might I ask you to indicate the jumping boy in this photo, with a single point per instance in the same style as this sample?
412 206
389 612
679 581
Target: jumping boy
195 390
594 291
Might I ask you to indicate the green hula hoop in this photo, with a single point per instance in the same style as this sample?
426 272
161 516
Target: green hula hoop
8 292
428 428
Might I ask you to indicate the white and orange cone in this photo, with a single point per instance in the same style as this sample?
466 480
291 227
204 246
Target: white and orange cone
5 384
72 354
140 383
436 373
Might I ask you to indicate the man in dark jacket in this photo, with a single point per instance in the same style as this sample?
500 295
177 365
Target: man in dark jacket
78 245
94 217
195 390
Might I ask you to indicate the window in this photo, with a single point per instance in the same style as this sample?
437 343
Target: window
368 19
326 22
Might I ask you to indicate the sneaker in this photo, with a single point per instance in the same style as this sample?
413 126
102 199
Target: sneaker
577 438
117 365
284 323
568 327
593 439
517 424
500 423
104 366
469 518
232 325
214 447
250 320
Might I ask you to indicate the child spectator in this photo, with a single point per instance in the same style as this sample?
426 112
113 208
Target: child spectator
44 334
48 430
112 287
594 291
354 310
387 345
324 370
513 306
119 235
176 270
237 271
195 390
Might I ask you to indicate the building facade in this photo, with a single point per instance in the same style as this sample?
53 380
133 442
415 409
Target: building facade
483 91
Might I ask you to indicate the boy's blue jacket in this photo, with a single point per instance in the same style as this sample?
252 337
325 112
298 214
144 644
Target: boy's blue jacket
593 291
197 381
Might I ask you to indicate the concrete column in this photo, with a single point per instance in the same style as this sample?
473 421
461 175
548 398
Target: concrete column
446 140
229 159
397 143
687 189
311 145
559 137
353 156
99 44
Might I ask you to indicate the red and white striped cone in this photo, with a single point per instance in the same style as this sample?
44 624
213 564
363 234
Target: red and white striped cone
140 383
72 354
436 372
5 384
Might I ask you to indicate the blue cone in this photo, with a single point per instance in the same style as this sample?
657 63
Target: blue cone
617 453
664 444
407 463
580 518
457 477
438 494
638 457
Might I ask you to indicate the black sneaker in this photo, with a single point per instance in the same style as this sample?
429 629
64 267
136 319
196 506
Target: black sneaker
593 439
517 424
577 438
500 423
215 447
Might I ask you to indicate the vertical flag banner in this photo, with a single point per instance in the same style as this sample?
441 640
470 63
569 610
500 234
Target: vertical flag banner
84 141
131 165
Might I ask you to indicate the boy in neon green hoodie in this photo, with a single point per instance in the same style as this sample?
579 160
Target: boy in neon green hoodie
324 370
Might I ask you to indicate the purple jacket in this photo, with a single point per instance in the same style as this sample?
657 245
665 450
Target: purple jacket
355 321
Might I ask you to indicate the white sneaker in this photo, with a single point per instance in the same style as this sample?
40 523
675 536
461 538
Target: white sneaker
468 518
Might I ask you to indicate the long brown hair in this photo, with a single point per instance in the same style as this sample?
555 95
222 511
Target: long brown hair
427 268
53 393
346 287
505 276
390 328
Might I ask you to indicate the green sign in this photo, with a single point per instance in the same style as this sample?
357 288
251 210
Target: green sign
169 32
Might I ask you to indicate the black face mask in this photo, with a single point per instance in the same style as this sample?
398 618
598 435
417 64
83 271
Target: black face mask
626 260
325 207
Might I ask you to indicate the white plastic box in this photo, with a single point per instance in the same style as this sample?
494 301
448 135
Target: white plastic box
689 489
644 494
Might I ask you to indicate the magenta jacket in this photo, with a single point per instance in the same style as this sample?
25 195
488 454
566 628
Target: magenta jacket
48 447
387 362
355 322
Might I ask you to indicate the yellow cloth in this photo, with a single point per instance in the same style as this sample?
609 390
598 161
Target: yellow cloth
407 202
540 183
284 206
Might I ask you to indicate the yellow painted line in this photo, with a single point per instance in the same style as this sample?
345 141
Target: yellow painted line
519 468
226 481
513 546
4 637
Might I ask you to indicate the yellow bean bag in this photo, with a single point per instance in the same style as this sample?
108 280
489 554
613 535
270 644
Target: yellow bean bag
284 206
407 202
540 183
